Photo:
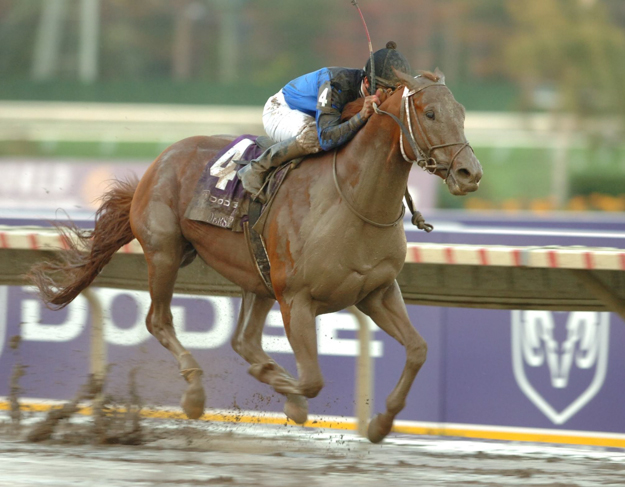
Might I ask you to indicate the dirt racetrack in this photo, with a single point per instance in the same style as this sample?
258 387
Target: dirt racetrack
184 453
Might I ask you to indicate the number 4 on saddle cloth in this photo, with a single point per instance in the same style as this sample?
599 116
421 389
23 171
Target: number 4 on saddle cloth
219 197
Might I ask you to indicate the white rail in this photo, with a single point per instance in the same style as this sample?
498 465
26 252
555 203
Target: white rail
577 257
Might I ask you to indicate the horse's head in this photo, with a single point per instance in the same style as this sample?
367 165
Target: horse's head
435 138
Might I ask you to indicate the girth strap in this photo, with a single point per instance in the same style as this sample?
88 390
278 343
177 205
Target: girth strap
256 245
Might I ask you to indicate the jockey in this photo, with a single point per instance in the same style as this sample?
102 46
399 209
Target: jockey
304 117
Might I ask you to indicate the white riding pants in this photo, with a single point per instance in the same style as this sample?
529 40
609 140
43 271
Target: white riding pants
281 122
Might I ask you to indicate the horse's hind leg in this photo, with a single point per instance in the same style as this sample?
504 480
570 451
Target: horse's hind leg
247 342
387 309
165 250
163 270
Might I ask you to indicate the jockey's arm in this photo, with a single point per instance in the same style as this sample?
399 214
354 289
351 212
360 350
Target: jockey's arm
331 132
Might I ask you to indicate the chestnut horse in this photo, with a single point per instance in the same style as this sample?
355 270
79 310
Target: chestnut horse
333 234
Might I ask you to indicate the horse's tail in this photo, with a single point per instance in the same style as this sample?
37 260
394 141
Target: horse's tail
60 281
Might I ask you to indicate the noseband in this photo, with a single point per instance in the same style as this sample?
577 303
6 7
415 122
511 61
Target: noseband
425 160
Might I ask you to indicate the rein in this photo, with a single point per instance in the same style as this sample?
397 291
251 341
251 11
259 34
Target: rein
354 210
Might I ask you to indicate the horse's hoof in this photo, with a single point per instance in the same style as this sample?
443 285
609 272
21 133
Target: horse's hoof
378 430
193 400
296 408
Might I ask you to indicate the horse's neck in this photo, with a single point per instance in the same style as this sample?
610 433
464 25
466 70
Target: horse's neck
375 174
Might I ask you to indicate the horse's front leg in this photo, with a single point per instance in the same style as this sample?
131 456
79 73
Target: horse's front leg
247 342
299 324
387 309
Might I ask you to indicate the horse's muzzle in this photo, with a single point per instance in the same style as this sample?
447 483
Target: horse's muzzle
465 177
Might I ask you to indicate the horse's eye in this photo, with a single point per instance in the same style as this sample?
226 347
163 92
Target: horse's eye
430 115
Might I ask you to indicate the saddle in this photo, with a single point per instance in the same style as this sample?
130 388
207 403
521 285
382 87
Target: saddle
220 199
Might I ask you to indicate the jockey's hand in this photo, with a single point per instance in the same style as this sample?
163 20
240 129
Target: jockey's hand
367 108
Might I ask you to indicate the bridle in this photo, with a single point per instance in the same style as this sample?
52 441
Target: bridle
424 158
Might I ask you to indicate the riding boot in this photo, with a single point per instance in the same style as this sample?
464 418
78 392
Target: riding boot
253 175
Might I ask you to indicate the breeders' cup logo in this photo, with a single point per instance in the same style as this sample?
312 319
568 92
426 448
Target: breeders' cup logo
560 360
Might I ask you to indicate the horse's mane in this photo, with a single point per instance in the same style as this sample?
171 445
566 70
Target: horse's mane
353 107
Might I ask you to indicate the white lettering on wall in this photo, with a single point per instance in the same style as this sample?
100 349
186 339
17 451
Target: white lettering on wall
34 330
328 340
137 332
218 335
331 329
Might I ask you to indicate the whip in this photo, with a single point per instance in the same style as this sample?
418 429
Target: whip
372 91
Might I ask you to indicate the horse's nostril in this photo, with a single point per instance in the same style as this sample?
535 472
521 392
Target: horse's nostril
463 173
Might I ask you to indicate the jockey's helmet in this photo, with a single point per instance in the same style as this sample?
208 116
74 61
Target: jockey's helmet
384 61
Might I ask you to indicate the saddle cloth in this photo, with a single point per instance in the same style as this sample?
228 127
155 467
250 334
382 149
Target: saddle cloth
219 197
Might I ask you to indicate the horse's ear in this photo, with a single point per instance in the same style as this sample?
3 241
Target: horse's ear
406 79
440 75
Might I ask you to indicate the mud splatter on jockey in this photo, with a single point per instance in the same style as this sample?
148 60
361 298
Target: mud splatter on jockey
304 117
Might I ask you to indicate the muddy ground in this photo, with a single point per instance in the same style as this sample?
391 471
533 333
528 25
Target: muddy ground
184 453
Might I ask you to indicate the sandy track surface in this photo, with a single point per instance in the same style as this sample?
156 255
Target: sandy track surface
184 453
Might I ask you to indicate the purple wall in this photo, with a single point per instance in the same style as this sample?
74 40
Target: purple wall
568 373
